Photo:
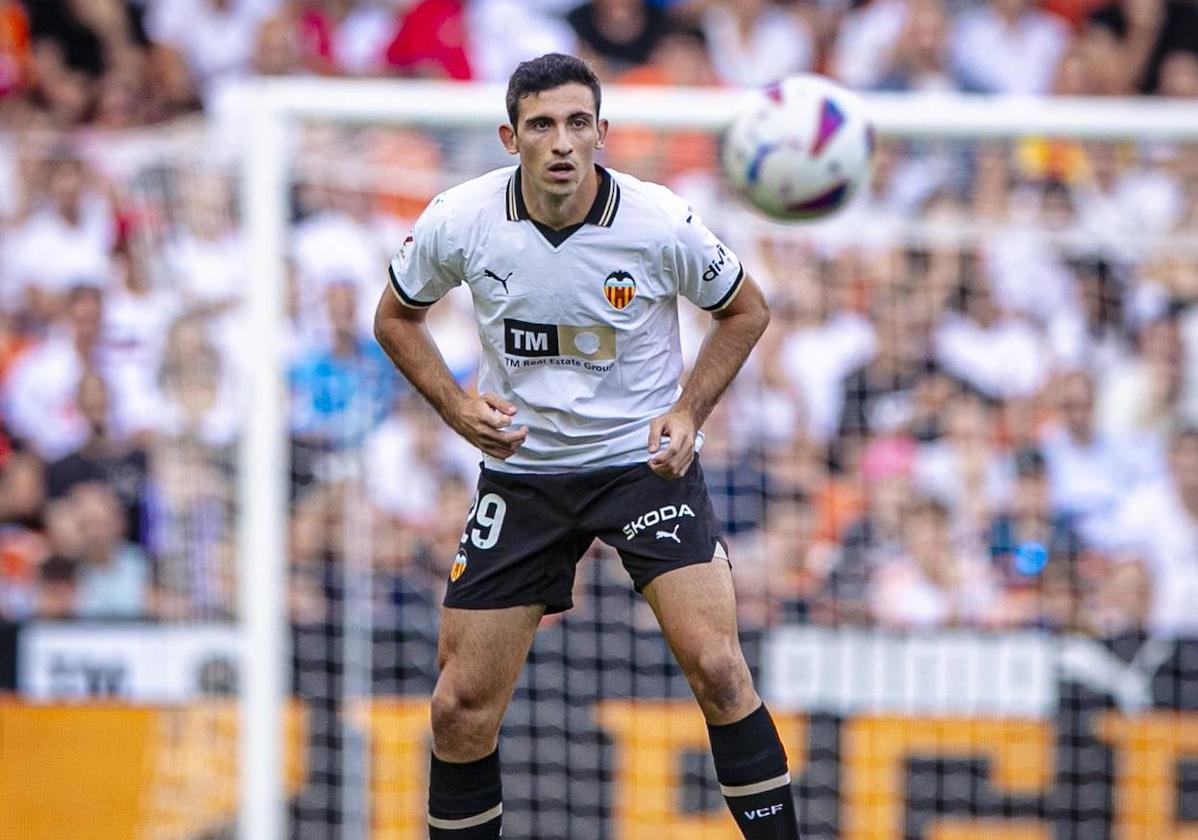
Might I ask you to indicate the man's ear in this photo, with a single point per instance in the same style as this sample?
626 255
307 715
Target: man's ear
602 126
507 136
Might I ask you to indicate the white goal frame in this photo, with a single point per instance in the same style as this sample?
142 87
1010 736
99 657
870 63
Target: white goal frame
275 104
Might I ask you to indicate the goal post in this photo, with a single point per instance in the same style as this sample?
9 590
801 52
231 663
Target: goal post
277 105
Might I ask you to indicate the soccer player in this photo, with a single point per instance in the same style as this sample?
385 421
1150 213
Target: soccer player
575 271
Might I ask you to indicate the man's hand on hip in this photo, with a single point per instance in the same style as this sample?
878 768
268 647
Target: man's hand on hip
483 420
674 459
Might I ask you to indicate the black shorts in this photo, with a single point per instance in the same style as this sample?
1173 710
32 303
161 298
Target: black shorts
526 533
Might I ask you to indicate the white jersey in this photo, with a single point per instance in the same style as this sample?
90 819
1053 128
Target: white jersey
579 327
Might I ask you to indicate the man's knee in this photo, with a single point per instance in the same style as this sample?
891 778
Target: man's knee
462 713
721 680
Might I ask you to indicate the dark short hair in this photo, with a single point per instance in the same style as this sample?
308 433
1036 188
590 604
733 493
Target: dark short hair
1030 463
545 73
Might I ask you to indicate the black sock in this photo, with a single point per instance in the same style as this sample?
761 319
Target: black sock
465 801
751 766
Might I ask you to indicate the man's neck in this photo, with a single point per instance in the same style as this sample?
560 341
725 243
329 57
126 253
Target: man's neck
560 211
1189 501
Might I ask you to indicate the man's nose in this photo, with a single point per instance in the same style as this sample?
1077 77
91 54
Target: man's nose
562 144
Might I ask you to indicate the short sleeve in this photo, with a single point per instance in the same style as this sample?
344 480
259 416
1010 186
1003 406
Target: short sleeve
709 274
427 265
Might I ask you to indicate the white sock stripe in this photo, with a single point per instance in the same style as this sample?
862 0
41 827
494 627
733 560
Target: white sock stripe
756 787
466 822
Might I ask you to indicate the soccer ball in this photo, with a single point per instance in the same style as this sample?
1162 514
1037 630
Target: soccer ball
799 148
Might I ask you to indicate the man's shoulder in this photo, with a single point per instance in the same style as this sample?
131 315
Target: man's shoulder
650 206
467 202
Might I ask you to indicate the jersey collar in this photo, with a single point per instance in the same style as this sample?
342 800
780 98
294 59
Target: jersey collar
602 212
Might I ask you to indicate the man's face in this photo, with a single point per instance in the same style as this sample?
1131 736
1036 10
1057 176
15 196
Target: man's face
1185 464
556 137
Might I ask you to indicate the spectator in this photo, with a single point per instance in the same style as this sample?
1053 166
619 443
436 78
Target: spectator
1089 471
212 40
22 482
412 436
196 400
932 582
998 355
894 45
206 258
1146 32
343 37
502 33
191 528
113 575
138 313
1119 601
820 351
1092 333
755 42
42 387
1036 551
920 58
1025 259
65 242
1179 74
878 396
1142 394
84 36
278 48
1007 46
342 238
104 456
22 509
57 589
14 49
964 469
885 471
431 41
1158 525
865 39
617 35
78 46
340 391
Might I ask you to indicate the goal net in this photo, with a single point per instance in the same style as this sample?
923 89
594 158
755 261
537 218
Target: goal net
953 477
937 475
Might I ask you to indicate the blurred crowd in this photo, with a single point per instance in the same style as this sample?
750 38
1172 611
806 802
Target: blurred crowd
976 405
121 63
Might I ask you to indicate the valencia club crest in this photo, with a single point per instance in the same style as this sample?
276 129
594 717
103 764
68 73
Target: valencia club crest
619 288
459 566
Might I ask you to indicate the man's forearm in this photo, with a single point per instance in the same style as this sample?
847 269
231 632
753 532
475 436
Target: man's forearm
411 348
725 349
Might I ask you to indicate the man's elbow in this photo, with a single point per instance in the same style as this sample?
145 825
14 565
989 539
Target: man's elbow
760 315
380 325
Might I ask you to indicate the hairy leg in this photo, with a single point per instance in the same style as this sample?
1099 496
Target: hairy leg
696 608
480 654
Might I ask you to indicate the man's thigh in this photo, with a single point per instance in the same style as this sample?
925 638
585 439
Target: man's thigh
696 608
481 652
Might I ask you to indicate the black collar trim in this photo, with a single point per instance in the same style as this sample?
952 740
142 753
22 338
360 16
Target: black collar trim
602 212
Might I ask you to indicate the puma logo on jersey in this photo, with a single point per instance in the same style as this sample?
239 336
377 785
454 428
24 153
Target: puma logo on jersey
502 281
657 517
670 535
